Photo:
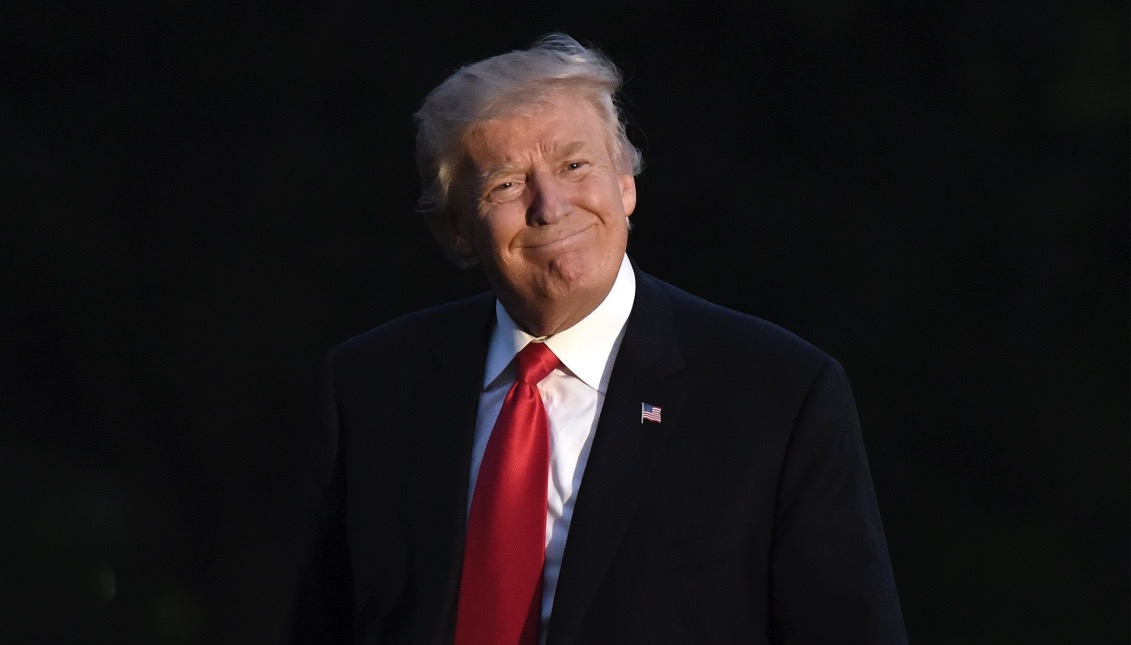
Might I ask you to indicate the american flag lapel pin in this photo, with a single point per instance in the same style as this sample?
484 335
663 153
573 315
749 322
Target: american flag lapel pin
649 412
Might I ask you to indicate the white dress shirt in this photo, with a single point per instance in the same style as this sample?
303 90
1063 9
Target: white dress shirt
573 395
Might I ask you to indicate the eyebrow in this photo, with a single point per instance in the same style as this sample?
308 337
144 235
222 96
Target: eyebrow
561 151
557 152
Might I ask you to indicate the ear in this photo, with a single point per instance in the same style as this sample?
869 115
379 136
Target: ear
453 241
628 193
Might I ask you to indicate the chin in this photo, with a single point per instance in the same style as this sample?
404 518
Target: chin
574 269
576 275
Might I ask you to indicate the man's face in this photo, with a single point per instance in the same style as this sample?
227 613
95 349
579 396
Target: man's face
544 209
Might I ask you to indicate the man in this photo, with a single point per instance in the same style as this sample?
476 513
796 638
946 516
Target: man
586 455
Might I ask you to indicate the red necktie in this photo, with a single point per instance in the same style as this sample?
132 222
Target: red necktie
500 595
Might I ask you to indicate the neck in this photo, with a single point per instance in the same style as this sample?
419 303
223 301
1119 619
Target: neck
541 320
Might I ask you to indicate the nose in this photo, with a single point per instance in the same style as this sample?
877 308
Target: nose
549 199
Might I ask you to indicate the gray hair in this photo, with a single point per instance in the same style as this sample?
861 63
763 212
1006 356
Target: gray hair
501 85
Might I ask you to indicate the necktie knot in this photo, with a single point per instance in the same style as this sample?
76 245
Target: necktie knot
535 362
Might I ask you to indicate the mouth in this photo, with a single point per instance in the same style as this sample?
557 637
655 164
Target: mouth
559 241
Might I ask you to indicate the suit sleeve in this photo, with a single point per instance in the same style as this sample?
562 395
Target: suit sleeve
321 610
831 579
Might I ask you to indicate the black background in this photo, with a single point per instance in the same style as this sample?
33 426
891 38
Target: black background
200 198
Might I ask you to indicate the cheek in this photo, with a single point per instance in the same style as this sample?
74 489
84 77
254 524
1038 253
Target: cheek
492 232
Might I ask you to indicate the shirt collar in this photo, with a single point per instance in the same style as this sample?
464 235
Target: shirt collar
584 349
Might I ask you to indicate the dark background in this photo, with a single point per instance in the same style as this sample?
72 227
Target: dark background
200 198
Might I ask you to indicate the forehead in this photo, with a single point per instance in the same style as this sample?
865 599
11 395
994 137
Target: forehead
562 125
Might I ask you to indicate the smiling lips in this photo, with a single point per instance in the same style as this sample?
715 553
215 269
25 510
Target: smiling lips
558 240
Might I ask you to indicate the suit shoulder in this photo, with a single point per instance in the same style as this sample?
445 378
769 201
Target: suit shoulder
410 334
712 328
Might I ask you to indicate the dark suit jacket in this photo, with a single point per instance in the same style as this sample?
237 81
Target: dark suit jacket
747 515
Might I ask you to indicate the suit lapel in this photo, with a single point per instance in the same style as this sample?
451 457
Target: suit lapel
624 450
444 408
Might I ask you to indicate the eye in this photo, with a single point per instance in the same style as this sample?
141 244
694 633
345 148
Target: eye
505 191
576 170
